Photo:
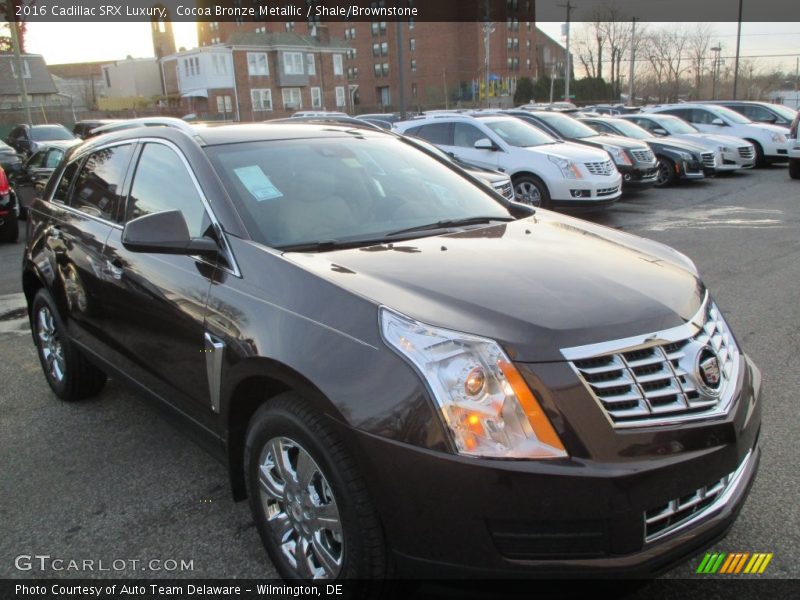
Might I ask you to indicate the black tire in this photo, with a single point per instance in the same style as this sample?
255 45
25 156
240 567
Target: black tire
79 378
288 426
9 231
666 172
761 161
794 168
532 191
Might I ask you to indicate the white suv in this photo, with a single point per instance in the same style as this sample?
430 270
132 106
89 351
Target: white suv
768 140
545 171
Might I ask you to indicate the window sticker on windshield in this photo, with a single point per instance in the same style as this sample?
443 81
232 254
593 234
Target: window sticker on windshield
257 183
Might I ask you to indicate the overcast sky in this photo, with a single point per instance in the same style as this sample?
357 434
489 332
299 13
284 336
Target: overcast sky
114 41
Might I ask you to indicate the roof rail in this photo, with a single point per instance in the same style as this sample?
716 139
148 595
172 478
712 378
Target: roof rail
146 122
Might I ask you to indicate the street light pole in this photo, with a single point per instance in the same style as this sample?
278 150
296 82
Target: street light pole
567 69
12 26
631 100
715 70
738 44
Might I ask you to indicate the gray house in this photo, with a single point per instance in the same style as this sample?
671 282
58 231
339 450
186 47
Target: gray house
37 78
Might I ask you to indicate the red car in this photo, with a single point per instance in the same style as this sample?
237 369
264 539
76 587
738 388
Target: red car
9 227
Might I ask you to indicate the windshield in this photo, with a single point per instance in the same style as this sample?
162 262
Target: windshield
675 125
631 130
567 127
731 115
48 133
344 189
515 132
784 111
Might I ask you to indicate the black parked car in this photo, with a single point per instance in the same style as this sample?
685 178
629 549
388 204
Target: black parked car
26 139
9 159
633 159
84 129
675 159
31 179
403 371
9 225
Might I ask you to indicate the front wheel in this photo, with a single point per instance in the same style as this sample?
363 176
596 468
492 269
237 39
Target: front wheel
531 191
666 172
308 498
794 168
761 161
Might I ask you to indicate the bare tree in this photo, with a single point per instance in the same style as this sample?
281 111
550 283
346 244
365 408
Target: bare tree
698 47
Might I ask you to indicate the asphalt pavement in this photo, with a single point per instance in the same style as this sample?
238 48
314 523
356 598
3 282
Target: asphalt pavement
108 479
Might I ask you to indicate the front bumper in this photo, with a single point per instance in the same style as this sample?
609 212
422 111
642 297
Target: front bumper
447 515
639 175
597 191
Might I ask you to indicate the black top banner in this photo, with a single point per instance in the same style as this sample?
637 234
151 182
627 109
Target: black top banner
403 10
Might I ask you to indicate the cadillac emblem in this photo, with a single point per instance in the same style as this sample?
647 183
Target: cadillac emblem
709 371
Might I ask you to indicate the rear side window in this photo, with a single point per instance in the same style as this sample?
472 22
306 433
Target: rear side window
37 160
53 158
465 135
98 186
437 133
701 116
60 195
162 183
683 113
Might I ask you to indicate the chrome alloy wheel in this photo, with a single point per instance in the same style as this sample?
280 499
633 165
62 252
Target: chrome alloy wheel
528 193
301 510
50 344
664 175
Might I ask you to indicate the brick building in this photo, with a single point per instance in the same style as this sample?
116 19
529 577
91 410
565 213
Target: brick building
444 62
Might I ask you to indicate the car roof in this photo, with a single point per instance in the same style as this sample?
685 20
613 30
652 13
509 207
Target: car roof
63 144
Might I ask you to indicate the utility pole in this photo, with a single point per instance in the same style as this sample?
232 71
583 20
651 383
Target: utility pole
715 70
569 8
631 99
738 43
401 64
23 87
444 88
488 30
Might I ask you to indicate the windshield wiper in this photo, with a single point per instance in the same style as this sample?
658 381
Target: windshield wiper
449 223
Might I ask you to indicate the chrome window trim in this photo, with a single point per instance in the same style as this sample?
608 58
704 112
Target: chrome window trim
682 332
234 268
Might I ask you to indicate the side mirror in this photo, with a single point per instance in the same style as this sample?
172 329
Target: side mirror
165 233
485 144
660 131
719 122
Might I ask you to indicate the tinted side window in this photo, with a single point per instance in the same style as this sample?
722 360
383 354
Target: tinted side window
602 127
414 131
37 160
645 124
437 133
60 195
465 135
701 116
162 183
755 112
683 113
53 158
99 184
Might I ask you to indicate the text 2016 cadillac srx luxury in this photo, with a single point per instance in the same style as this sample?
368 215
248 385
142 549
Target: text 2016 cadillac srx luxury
405 372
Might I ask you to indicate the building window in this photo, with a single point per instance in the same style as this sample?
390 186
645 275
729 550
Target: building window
213 26
316 97
340 97
512 4
352 72
413 90
220 64
512 43
351 54
528 64
411 23
379 28
412 44
261 30
385 49
292 99
290 26
261 99
311 64
350 33
225 105
376 49
377 70
513 64
293 63
413 66
257 63
385 69
338 69
513 24
196 61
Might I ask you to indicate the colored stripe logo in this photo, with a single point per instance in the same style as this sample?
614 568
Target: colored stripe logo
734 563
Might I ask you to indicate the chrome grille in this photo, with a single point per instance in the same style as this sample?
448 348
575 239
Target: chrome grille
608 191
601 168
505 189
682 512
747 152
709 160
646 156
658 379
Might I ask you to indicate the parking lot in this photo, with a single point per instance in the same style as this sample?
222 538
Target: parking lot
109 479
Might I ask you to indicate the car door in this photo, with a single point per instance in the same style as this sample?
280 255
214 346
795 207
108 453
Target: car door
30 182
463 146
81 216
704 119
156 303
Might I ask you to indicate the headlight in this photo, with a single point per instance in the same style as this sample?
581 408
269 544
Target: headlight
618 155
568 168
483 399
778 137
685 155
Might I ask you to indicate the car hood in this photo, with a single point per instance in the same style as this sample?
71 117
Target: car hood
615 140
536 285
674 144
710 140
572 151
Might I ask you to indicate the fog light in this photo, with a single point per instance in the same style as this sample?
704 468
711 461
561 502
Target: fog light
581 193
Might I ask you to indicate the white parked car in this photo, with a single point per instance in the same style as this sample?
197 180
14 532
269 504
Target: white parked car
545 172
794 148
768 140
732 153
